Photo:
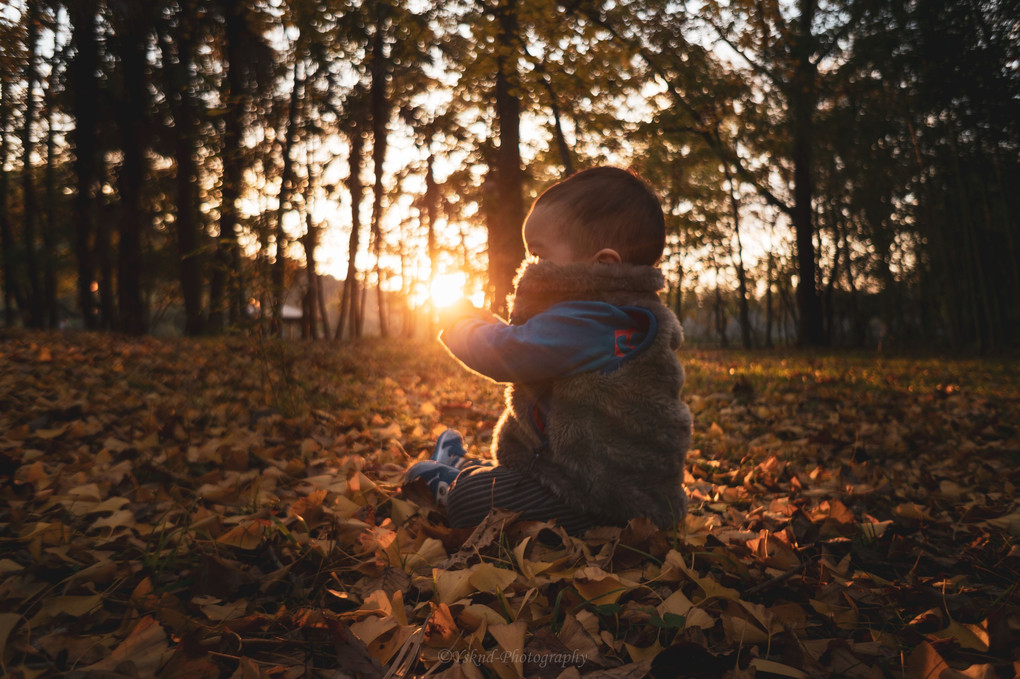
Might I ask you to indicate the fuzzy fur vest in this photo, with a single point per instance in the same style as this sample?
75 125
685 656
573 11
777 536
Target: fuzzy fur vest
616 442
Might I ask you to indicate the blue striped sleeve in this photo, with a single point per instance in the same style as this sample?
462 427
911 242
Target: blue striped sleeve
566 339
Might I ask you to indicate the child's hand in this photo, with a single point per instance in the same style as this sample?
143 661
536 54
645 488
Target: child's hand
460 310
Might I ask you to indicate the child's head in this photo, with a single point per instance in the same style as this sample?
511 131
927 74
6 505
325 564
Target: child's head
603 214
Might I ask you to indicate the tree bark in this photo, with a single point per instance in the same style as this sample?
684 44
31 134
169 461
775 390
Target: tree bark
50 227
719 311
431 210
311 301
803 100
349 300
185 134
85 91
132 31
13 301
105 260
769 317
744 313
283 203
380 118
35 297
506 244
225 283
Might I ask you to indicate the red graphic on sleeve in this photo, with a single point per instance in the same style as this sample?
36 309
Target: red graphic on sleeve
622 342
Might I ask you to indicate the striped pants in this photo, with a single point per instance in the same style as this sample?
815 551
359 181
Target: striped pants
480 488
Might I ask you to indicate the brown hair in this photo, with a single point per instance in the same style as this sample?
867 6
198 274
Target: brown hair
609 207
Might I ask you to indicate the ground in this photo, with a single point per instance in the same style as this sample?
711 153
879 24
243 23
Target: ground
232 508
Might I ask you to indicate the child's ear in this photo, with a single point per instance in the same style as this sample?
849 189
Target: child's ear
608 256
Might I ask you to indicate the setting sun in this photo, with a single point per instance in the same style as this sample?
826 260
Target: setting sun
448 289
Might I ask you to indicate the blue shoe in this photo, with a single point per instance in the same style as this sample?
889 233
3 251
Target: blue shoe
449 448
437 476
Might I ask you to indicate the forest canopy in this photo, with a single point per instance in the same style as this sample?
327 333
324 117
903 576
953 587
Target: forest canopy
833 172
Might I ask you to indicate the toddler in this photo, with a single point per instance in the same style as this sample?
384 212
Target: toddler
594 431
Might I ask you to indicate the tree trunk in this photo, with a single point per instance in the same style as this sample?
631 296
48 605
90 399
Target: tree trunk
104 258
185 135
85 94
380 118
803 101
566 157
323 314
311 301
830 285
769 318
225 284
431 210
506 245
678 301
12 295
349 300
35 298
131 39
283 203
744 314
50 228
719 312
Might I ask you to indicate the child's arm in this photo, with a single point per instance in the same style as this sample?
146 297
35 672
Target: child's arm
566 339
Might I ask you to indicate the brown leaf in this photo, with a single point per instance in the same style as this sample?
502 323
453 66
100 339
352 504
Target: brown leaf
146 647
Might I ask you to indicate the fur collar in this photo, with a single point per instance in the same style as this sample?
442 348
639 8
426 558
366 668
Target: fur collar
539 285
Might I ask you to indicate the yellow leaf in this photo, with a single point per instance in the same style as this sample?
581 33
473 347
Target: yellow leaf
973 637
741 631
359 483
872 530
477 613
8 621
925 663
109 505
10 566
372 627
640 654
343 508
89 492
711 588
698 617
222 612
511 638
75 606
146 646
401 511
599 587
383 651
378 601
1009 523
247 535
715 431
309 507
488 578
772 667
676 603
47 434
119 519
397 608
909 510
451 586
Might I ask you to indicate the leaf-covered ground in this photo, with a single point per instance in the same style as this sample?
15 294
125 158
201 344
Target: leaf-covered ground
231 508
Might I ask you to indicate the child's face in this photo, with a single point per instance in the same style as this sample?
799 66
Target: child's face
542 238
